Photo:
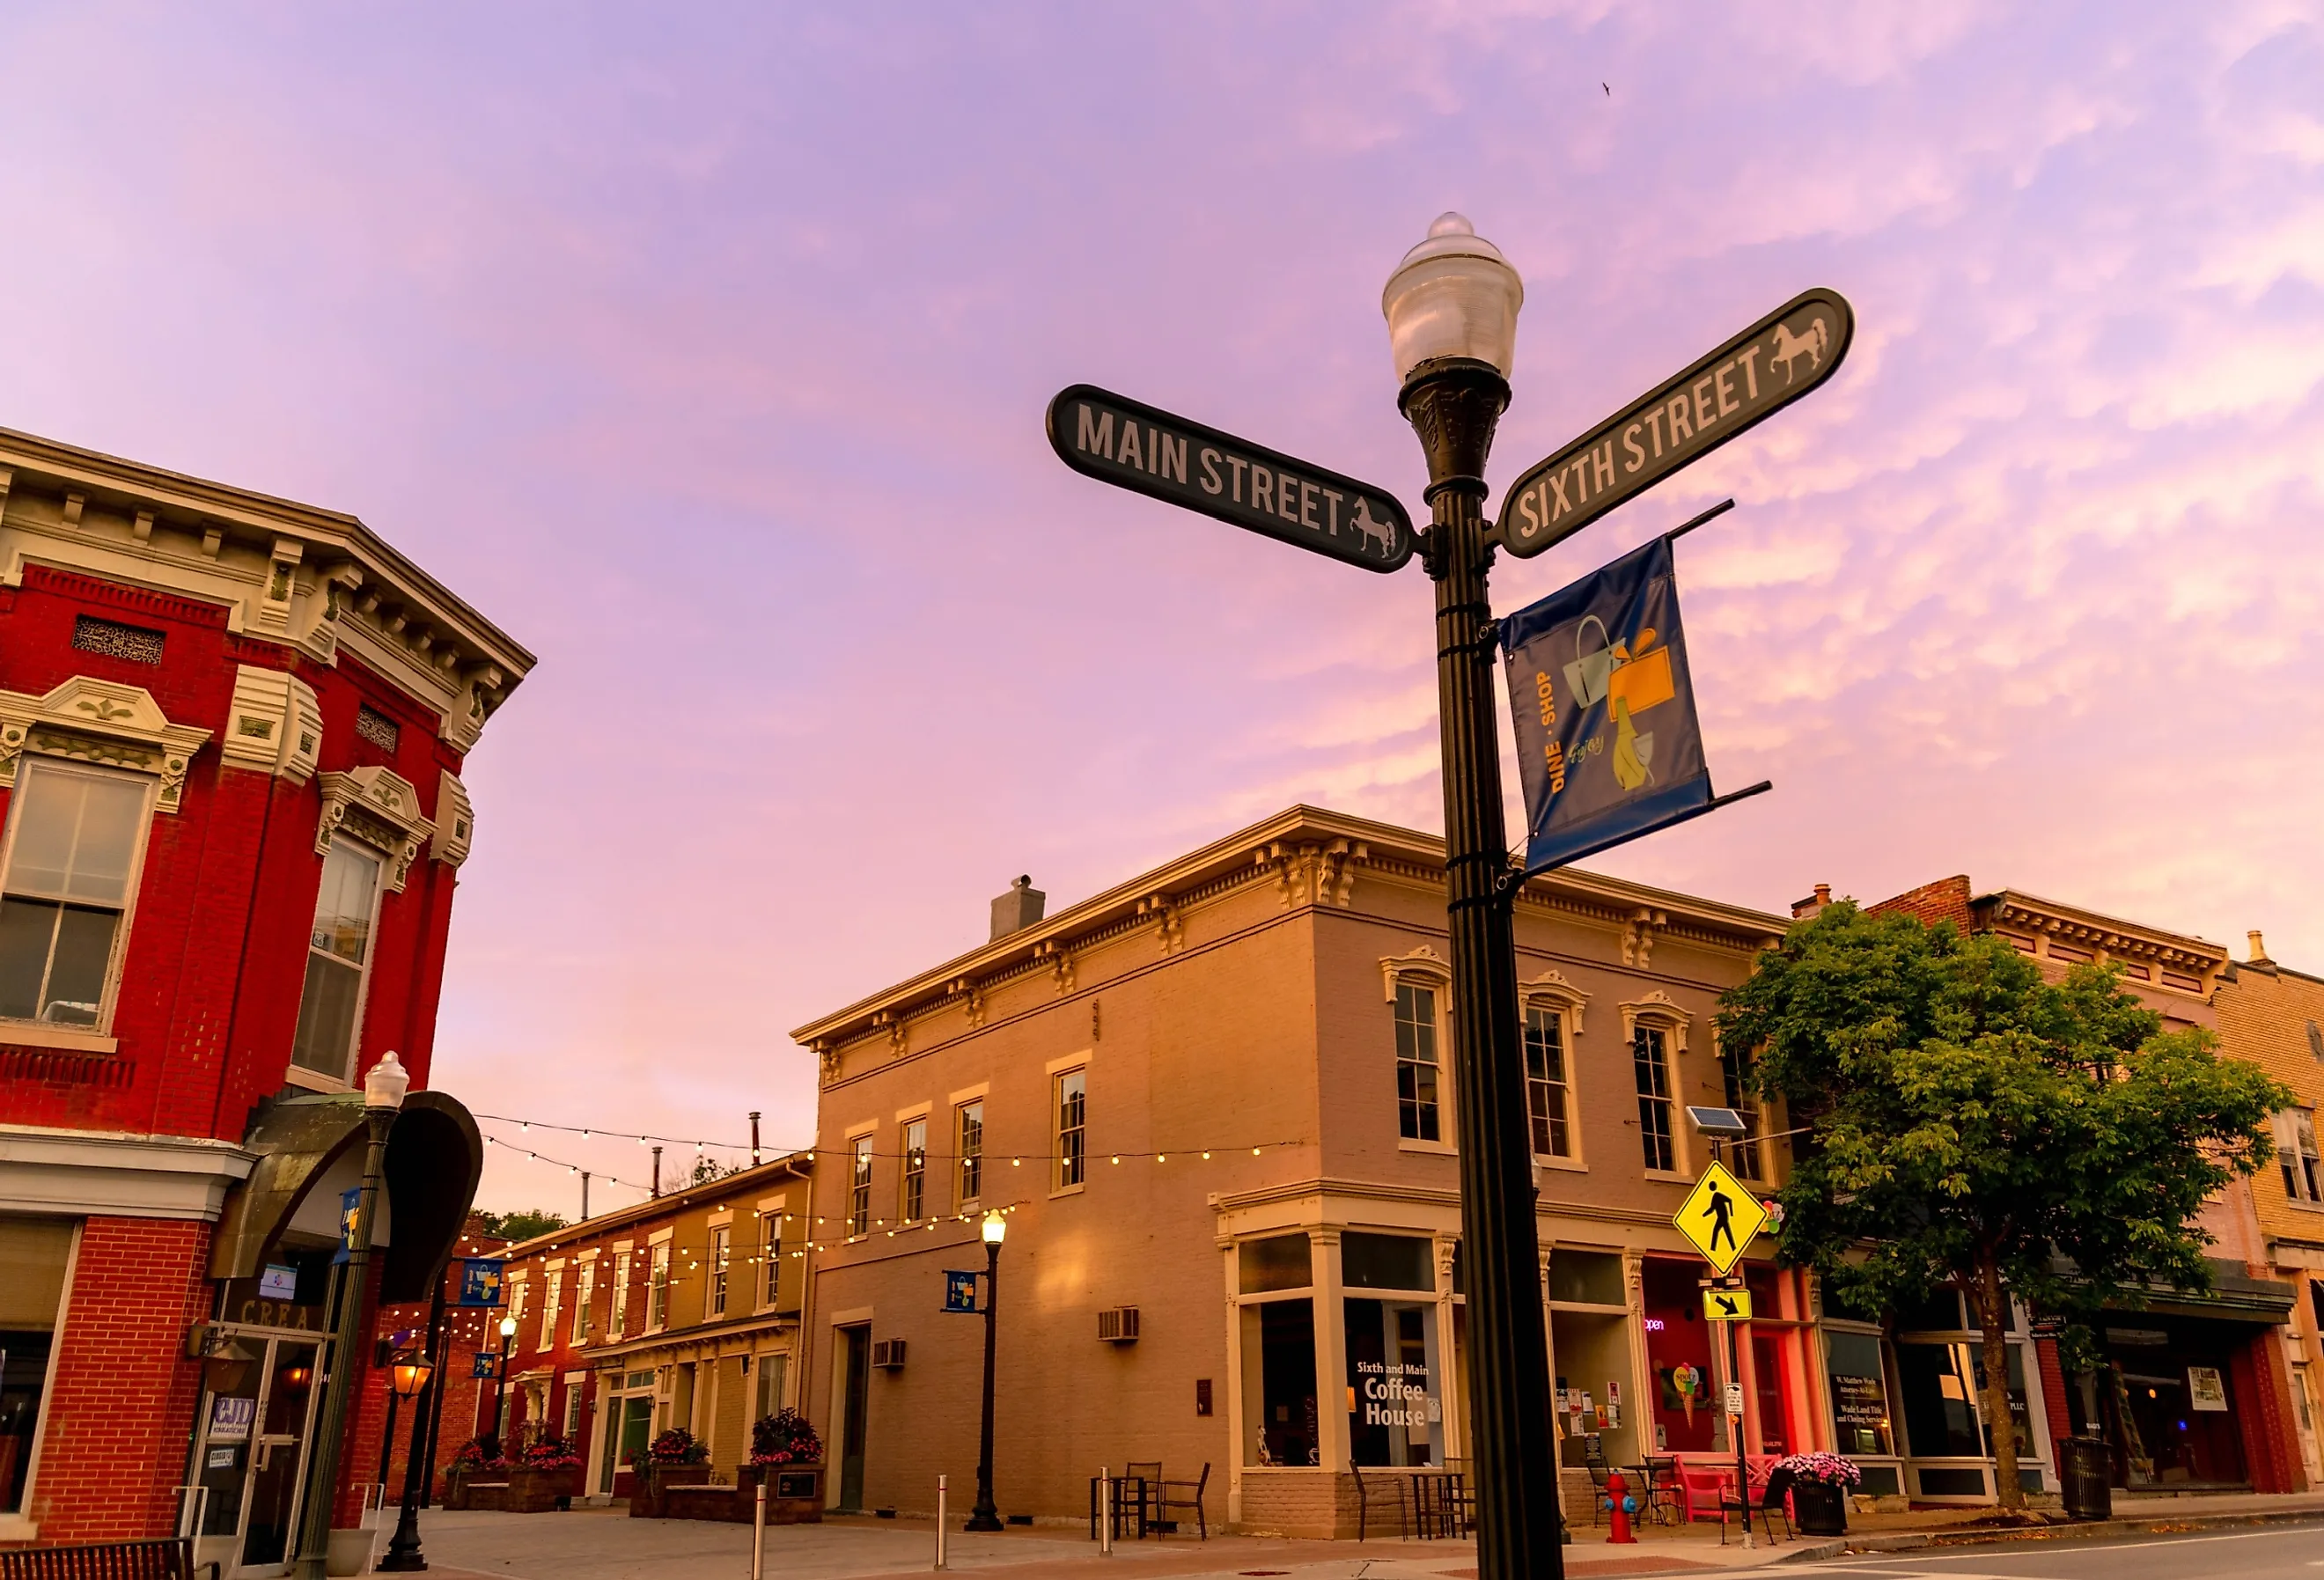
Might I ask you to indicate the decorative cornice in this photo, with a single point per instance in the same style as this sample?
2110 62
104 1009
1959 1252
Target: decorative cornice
274 725
379 807
456 821
1551 987
2010 910
1656 1007
1422 962
89 720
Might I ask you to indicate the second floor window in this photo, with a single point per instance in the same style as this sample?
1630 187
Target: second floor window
972 1152
552 1286
1072 1126
1743 1155
1650 1061
771 1257
658 1286
584 1290
618 1316
73 837
2295 1144
721 1242
338 960
1546 1090
859 1185
915 1204
1416 1118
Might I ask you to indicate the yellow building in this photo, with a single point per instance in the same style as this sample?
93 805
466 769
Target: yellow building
1215 1104
2274 1016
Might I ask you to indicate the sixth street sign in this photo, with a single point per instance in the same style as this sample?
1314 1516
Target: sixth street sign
1134 446
1752 377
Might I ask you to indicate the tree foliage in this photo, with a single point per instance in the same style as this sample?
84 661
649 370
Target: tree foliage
1974 1126
522 1225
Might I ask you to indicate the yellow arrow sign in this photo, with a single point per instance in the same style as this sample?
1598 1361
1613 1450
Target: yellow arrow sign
1721 1218
1727 1305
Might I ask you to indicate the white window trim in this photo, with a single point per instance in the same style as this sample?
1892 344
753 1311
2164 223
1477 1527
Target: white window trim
660 1240
904 1119
363 986
1425 967
849 1232
110 995
617 1302
1657 1009
1058 1071
962 1202
1552 991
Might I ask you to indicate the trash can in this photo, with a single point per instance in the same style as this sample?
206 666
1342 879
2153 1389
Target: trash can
2086 1468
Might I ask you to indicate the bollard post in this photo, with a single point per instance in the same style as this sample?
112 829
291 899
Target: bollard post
758 1529
1105 1511
940 1521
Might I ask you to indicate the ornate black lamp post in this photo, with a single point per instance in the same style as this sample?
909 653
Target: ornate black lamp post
414 1371
1452 308
986 1515
384 1091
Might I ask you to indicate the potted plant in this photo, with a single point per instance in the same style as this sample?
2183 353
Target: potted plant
476 1460
1819 1488
676 1458
787 1455
547 1477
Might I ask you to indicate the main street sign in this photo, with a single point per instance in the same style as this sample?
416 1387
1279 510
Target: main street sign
1721 1218
1749 379
1139 447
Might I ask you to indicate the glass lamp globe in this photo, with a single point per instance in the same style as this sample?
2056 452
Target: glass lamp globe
387 1082
508 1328
996 1228
1453 296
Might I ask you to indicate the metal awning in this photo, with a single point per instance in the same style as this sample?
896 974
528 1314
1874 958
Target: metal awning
309 1147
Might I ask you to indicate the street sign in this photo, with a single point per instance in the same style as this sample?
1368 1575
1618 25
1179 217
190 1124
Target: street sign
960 1291
1735 1398
1749 379
1726 1306
1147 450
1721 1218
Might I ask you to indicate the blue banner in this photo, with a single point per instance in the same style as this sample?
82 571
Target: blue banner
1608 745
484 1363
350 1209
480 1280
960 1291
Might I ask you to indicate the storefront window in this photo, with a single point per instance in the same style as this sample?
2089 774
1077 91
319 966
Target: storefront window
1939 1402
1686 1414
2169 1400
1395 1410
1280 1426
33 1255
1280 1263
1384 1262
1859 1395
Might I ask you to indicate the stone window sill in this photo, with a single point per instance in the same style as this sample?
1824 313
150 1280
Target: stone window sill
38 1034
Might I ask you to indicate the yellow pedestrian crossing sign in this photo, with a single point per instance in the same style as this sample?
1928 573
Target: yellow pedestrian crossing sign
1721 1218
1727 1305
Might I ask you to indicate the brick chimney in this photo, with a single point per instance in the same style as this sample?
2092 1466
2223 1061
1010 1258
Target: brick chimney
1813 906
2258 949
1018 910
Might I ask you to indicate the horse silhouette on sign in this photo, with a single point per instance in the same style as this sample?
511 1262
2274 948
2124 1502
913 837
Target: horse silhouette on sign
1791 347
1369 528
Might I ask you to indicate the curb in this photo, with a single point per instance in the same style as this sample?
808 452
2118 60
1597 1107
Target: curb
2080 1530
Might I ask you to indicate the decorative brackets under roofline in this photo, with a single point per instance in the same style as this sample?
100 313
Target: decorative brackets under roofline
379 807
89 720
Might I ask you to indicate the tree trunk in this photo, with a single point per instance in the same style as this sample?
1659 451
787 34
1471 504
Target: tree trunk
1993 1321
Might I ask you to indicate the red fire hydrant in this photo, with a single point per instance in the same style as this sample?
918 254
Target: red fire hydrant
1617 1512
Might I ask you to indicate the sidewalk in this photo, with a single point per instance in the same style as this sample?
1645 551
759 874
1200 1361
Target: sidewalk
605 1544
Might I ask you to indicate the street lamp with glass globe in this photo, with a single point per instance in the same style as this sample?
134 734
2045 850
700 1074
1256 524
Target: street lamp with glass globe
986 1515
1451 308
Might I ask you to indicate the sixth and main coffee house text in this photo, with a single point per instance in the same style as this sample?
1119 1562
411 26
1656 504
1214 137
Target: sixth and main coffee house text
1137 446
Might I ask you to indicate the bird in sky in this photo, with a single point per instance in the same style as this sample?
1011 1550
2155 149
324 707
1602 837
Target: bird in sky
1609 92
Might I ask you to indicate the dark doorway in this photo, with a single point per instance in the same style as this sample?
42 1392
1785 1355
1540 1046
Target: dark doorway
856 1407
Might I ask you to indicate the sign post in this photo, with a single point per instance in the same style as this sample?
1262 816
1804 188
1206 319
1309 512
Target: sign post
1719 1219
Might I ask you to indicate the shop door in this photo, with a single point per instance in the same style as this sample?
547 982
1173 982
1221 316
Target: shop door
253 1459
1772 1387
856 1391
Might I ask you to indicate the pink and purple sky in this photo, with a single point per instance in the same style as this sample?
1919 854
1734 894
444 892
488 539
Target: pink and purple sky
705 349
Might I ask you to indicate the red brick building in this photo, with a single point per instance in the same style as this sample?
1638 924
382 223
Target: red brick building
2192 1392
232 729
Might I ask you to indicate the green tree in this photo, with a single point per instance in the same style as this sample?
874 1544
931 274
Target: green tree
708 1170
521 1226
1973 1126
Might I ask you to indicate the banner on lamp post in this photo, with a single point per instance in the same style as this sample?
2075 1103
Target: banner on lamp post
1608 746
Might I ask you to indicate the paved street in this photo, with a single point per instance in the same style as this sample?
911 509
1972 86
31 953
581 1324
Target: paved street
2287 1552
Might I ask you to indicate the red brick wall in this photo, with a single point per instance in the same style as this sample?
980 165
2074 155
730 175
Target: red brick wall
2053 1397
2262 1396
1946 900
121 1415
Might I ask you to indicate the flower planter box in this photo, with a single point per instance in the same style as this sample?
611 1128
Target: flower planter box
794 1491
1820 1507
648 1496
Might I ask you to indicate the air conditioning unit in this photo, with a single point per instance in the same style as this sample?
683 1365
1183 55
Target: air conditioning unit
887 1354
1118 1325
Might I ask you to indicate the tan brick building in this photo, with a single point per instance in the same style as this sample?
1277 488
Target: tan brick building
2274 1017
1218 1097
